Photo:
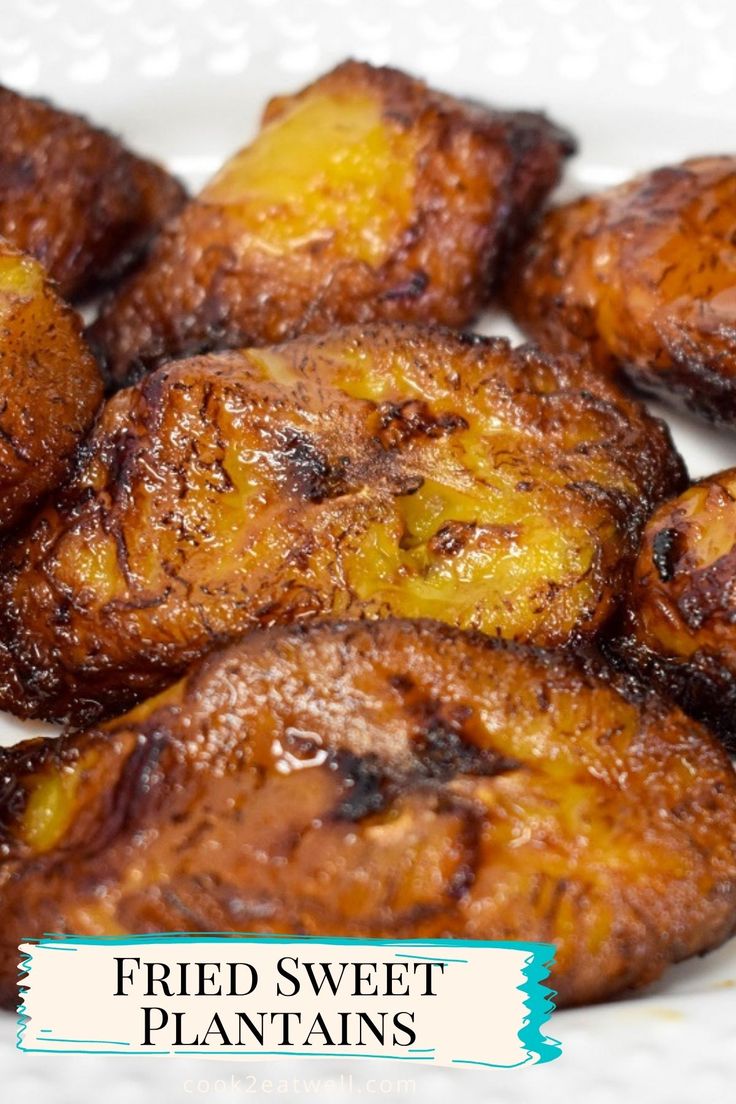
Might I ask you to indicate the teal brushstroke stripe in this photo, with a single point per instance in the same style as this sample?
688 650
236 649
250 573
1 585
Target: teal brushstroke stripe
86 1042
539 1003
122 1053
490 1065
540 1006
24 967
52 938
427 958
304 1054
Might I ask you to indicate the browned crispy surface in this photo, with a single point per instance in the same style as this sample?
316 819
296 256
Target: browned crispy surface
50 385
679 628
366 196
382 779
374 471
643 276
73 196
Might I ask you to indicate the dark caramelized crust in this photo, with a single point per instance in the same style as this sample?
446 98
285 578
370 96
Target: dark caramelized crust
50 385
382 779
366 196
72 196
643 277
377 471
679 628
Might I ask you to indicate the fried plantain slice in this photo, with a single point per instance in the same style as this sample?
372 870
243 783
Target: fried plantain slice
383 779
50 385
381 470
73 196
374 471
642 277
679 624
366 196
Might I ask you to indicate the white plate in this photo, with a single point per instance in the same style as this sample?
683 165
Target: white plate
641 82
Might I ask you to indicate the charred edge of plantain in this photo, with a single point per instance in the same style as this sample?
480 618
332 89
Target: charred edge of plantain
689 383
701 685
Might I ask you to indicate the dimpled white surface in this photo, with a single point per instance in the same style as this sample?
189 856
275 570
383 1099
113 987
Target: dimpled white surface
641 82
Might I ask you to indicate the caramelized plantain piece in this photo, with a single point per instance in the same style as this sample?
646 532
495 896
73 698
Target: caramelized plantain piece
50 385
73 196
374 471
643 276
366 196
679 626
382 779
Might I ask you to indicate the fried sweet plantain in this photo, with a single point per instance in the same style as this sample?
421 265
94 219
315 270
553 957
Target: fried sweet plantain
643 276
72 196
374 471
365 196
382 779
50 385
679 626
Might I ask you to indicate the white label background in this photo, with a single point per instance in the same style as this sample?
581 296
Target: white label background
475 1017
